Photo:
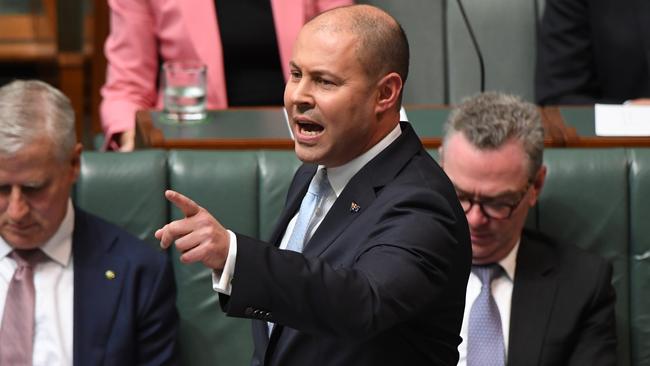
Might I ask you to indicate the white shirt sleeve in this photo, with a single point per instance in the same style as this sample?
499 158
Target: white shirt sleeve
221 279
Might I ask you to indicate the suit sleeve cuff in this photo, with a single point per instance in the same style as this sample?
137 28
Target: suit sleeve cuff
221 280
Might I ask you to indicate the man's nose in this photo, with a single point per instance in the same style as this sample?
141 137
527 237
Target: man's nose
475 216
17 207
301 94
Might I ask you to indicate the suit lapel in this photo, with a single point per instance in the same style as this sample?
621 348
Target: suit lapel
340 216
96 291
533 296
362 190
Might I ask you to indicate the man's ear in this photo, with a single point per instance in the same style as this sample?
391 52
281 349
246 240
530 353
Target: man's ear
389 89
538 184
75 162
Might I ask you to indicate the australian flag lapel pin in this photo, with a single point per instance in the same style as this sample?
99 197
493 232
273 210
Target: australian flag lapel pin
354 207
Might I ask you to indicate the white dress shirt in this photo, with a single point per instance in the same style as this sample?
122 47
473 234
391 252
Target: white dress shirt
502 293
54 289
338 177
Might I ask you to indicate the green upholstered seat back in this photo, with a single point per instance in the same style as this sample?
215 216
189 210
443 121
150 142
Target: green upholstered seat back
584 203
125 189
276 169
245 191
640 255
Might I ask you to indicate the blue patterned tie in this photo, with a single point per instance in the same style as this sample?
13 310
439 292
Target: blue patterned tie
485 336
311 210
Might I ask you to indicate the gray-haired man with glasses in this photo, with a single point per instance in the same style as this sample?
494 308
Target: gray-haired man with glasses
529 301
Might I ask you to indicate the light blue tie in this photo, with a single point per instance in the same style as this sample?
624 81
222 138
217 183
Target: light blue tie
485 345
310 213
311 210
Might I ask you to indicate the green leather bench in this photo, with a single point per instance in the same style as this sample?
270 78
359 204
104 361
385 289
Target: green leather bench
594 198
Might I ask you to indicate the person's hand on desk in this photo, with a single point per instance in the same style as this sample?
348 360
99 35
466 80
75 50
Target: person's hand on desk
198 236
127 140
122 141
640 101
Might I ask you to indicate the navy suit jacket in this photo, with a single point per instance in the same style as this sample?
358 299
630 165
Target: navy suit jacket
130 319
562 306
593 51
383 284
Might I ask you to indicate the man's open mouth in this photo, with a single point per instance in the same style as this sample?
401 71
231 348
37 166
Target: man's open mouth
309 128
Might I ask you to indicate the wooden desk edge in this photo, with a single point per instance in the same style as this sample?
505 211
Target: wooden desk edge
146 134
558 134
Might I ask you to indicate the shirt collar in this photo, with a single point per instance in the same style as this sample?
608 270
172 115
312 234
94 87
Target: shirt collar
509 262
341 175
59 247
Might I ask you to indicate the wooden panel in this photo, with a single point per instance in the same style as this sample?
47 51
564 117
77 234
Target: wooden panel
25 27
33 38
71 83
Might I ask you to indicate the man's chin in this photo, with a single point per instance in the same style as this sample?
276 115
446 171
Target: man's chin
482 254
21 241
308 154
482 241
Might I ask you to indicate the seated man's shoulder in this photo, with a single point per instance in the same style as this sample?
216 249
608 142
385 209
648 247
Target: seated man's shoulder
569 257
117 240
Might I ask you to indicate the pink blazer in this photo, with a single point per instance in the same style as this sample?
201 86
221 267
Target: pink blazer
178 30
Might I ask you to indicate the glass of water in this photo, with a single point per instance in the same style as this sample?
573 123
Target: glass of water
183 85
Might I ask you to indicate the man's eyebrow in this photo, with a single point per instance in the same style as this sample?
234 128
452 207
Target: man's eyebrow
35 184
505 194
314 72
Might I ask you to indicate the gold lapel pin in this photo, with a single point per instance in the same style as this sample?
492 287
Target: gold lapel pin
110 275
354 207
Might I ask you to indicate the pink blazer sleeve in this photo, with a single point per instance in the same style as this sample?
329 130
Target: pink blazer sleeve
131 51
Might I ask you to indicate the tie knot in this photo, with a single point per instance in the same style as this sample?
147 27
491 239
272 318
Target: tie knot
487 273
320 185
28 257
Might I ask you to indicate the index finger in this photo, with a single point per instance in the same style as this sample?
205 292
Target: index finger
184 203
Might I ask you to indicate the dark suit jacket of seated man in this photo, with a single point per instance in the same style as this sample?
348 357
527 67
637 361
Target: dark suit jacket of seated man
382 279
102 297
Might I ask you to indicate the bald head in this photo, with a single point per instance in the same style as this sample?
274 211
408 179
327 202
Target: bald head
382 46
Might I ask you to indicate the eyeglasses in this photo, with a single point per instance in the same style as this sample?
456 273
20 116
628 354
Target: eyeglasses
493 208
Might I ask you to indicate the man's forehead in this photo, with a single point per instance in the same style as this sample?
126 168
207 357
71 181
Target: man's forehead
326 29
26 178
322 47
35 159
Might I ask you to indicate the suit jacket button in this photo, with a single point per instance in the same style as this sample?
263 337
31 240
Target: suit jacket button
248 311
256 313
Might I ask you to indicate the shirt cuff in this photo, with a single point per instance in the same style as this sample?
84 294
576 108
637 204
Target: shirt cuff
221 280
